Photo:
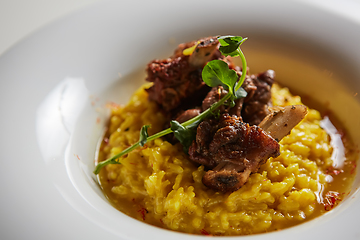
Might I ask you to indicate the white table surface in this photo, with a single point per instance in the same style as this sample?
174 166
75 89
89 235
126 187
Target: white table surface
18 19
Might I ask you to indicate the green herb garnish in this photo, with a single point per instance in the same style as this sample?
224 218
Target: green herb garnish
215 73
230 45
143 135
185 135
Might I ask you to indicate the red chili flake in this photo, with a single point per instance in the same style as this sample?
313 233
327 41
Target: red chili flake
77 156
204 232
161 221
106 140
143 211
144 147
353 168
133 163
331 200
333 171
98 120
113 105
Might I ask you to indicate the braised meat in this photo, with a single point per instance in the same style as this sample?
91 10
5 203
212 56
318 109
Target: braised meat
256 105
188 114
174 80
213 96
177 80
233 148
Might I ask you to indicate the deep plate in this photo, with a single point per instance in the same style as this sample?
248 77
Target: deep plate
81 57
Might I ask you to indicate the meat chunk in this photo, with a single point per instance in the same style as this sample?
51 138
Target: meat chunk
232 146
178 78
256 104
226 177
187 115
254 107
213 96
174 80
232 149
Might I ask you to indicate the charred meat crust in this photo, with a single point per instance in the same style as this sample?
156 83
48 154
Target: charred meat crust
226 177
255 107
177 80
174 80
233 149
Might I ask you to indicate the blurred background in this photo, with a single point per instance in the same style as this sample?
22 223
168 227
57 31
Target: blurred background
19 18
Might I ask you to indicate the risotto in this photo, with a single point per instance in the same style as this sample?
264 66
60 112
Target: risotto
157 183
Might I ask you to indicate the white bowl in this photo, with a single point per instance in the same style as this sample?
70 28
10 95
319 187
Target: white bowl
102 57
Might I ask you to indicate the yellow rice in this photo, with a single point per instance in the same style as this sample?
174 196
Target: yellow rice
157 184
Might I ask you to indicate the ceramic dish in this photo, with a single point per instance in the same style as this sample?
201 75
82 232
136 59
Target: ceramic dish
99 55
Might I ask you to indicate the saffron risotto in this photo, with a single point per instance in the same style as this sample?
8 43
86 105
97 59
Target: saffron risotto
158 184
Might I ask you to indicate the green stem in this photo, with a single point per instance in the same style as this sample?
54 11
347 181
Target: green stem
244 69
113 159
200 117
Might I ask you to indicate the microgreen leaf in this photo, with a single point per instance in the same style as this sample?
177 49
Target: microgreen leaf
143 135
230 45
240 93
217 72
185 135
